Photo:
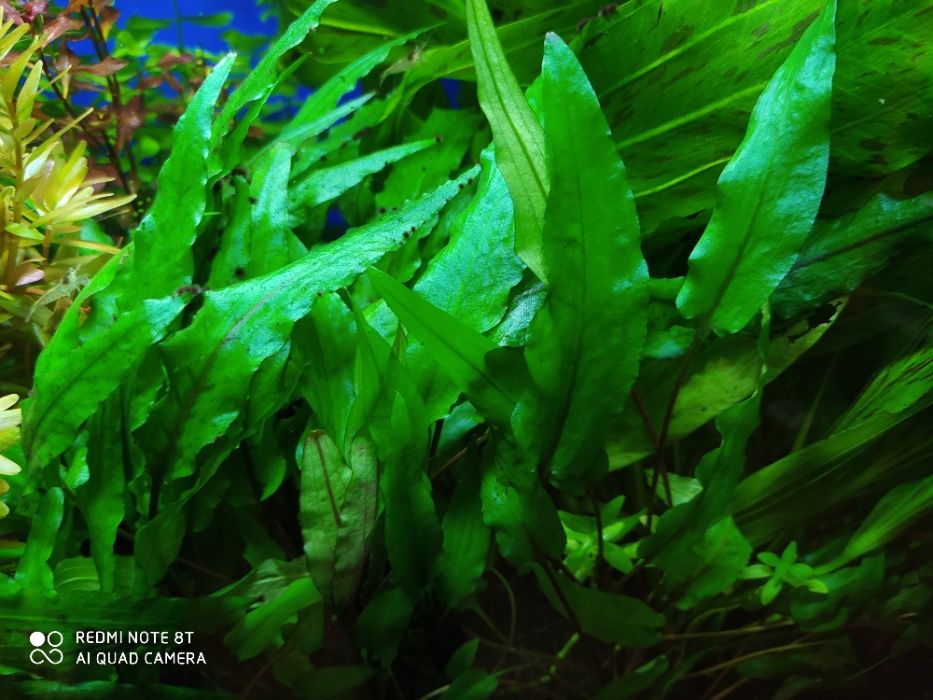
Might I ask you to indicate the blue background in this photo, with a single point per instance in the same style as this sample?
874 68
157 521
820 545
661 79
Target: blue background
246 19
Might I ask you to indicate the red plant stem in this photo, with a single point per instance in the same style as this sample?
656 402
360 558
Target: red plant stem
100 47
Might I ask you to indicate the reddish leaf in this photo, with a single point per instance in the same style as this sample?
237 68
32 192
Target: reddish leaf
130 117
10 12
175 59
34 8
104 68
59 26
107 17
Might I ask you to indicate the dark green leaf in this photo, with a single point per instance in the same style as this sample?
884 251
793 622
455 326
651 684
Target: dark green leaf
381 625
607 616
466 538
458 349
400 431
697 544
462 659
842 252
475 684
632 683
34 571
596 279
261 629
517 507
240 326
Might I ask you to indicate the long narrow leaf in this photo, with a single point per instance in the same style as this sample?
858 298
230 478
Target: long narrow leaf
518 137
773 183
597 278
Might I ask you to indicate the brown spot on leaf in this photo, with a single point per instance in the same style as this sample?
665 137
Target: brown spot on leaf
762 30
676 39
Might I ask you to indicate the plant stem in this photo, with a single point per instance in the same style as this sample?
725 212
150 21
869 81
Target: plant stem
512 606
100 47
600 547
178 27
660 468
91 136
755 655
729 633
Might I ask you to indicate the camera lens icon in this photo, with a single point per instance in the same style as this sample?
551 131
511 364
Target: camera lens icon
46 647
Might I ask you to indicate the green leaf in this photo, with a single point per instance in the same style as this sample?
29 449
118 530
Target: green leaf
900 385
462 660
597 280
725 372
517 507
258 82
774 182
333 131
240 326
895 512
475 684
458 349
326 97
218 19
101 497
677 80
851 590
34 571
380 627
462 563
632 683
610 617
72 379
781 495
325 478
697 544
871 131
337 512
262 629
163 240
271 241
341 126
454 131
75 376
518 137
325 184
842 252
327 341
470 278
234 255
158 542
268 460
400 430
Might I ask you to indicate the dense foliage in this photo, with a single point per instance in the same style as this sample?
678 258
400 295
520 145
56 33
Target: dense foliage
573 350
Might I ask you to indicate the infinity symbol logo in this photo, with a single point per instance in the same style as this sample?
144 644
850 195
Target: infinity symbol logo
39 655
